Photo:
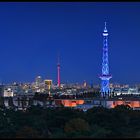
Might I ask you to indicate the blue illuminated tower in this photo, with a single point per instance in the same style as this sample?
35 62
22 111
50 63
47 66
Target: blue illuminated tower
105 76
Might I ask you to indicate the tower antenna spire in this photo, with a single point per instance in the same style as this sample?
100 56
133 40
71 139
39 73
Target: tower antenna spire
105 23
105 29
58 58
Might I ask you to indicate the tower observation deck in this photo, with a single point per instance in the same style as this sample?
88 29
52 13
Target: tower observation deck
105 76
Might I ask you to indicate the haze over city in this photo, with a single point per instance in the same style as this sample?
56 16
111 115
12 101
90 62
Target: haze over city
32 35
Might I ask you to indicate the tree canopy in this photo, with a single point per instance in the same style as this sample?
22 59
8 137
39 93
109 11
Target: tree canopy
60 122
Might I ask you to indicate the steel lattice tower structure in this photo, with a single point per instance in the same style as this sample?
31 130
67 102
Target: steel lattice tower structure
105 76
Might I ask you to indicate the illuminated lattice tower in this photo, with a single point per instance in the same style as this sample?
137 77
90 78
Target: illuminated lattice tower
105 76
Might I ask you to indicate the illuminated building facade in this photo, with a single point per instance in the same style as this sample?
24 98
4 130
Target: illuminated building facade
8 92
133 103
69 102
105 76
48 83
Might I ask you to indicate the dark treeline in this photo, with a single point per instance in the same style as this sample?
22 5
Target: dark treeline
98 122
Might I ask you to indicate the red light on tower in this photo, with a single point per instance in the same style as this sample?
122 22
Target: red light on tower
58 73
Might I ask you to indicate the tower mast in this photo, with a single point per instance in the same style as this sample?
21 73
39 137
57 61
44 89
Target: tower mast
105 76
58 72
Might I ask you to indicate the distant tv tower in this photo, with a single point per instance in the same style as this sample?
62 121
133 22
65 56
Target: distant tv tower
105 76
58 72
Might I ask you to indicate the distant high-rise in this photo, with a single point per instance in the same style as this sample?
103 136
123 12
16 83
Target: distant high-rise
105 76
58 73
85 84
38 80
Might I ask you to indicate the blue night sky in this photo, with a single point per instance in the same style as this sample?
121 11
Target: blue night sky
32 35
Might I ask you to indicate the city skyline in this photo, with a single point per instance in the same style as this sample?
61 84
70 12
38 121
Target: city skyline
33 33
